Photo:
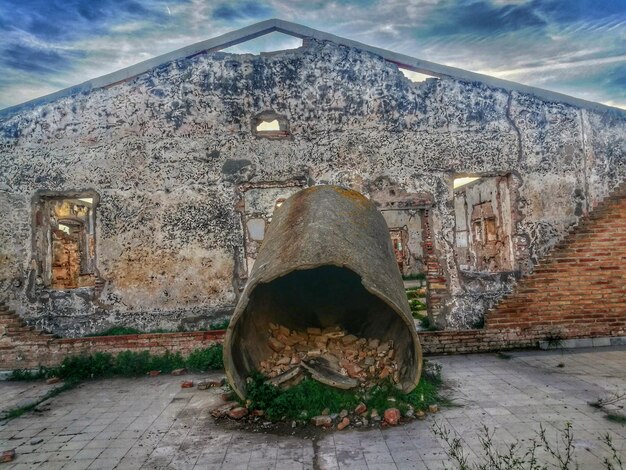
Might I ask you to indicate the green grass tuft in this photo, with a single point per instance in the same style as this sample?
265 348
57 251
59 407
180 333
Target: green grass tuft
616 418
206 359
309 398
126 364
303 401
27 374
222 325
17 412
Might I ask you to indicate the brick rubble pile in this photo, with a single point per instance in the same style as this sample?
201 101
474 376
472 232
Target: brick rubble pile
361 361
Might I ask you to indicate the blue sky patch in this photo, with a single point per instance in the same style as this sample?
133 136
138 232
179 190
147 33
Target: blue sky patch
577 47
237 11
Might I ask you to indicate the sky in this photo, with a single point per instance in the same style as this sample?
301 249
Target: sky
576 47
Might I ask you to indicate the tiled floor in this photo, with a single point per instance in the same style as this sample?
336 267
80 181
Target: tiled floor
153 423
20 394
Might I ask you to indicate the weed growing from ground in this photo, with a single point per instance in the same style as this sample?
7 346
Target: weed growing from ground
309 398
75 369
425 323
29 374
302 401
611 406
125 364
202 360
17 412
615 461
554 339
616 418
559 454
222 325
613 399
416 307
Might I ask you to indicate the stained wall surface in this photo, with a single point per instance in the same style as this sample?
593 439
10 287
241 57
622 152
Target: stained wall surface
174 159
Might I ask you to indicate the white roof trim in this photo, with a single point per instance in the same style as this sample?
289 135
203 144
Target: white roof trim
296 30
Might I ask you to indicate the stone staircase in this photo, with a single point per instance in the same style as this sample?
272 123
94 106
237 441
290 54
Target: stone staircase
579 289
15 332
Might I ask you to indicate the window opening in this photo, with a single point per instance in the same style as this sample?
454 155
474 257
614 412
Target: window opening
272 42
484 227
65 241
270 125
416 77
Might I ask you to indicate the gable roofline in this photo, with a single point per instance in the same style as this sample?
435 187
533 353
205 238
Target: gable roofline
303 32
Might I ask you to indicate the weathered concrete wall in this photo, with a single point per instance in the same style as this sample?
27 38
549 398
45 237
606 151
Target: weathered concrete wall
169 154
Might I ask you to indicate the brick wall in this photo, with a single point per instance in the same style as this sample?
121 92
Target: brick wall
474 341
436 280
22 347
580 288
578 291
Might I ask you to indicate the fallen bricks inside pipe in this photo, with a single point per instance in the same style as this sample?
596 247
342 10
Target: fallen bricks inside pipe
326 261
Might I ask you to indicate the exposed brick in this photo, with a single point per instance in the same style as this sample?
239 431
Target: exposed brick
29 348
575 289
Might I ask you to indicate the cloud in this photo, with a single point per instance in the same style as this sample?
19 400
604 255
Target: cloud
570 11
67 20
232 12
481 17
37 60
555 44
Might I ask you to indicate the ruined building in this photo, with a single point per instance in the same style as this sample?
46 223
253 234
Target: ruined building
141 198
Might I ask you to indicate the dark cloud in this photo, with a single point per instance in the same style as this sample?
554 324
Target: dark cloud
40 40
230 12
594 82
37 60
66 20
480 18
614 80
569 11
486 18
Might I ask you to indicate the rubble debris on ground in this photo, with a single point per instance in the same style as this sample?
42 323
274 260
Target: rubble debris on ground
394 412
359 417
7 456
331 356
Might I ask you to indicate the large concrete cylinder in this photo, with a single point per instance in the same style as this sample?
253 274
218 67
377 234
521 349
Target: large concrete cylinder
326 260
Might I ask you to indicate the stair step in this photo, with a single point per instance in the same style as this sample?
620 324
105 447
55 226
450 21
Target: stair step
586 242
13 331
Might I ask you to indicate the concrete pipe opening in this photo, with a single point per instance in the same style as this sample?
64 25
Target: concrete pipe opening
326 262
